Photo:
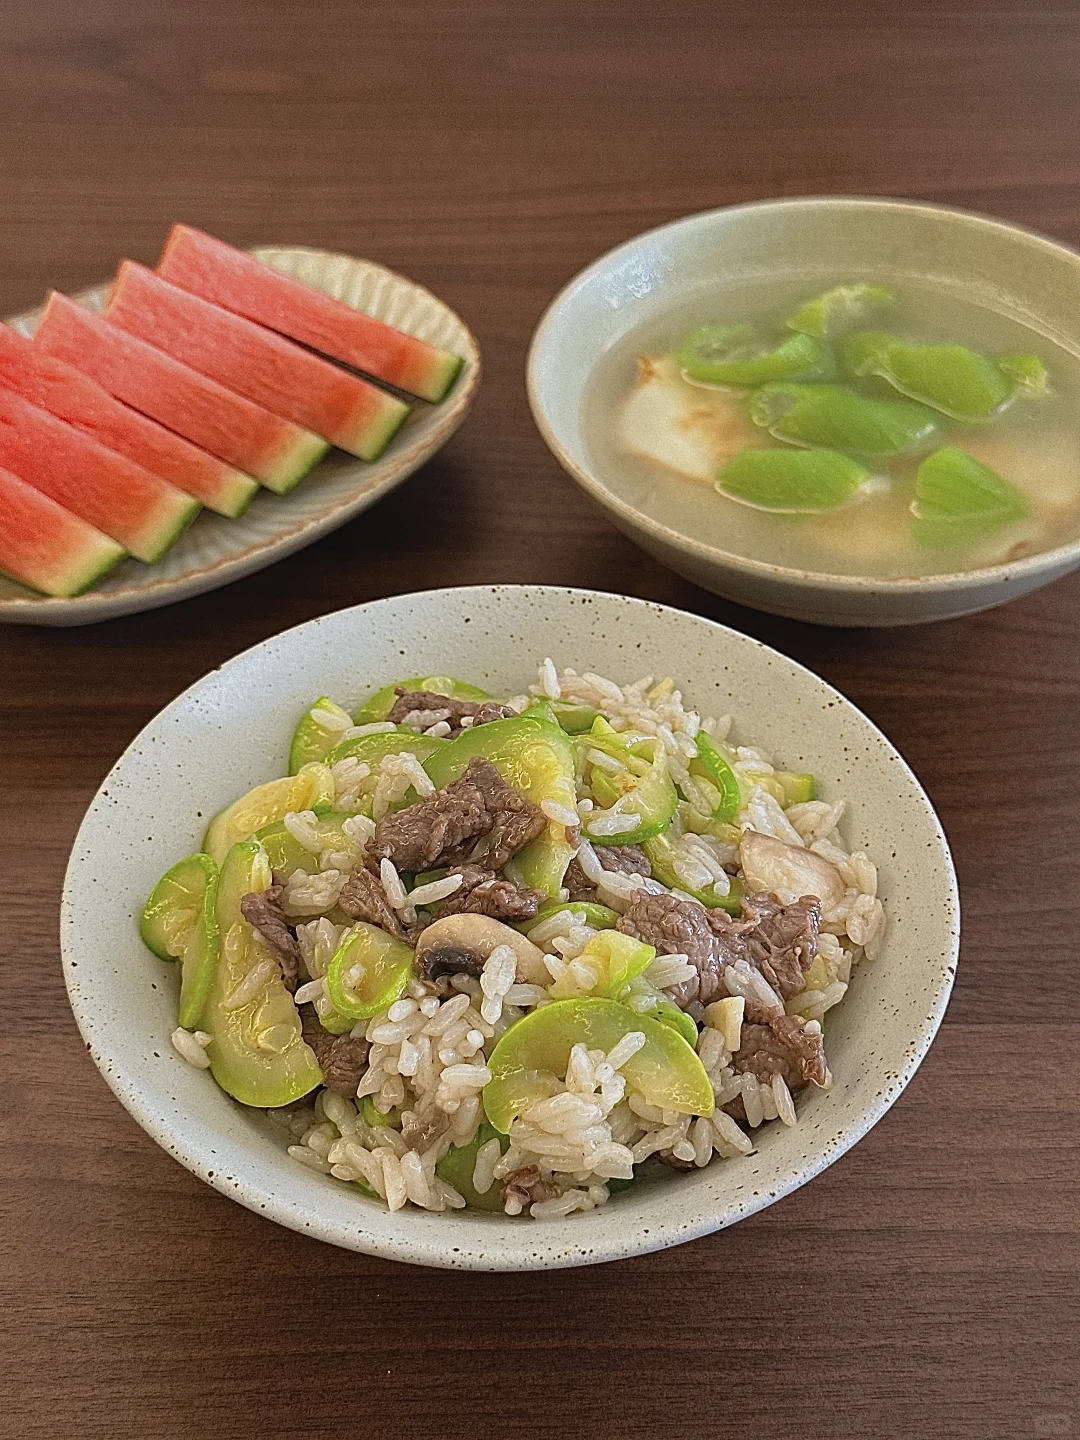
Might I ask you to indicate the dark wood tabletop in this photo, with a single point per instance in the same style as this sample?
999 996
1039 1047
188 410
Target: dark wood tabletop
927 1284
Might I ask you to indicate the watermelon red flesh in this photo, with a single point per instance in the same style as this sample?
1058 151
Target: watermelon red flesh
244 434
240 283
253 361
47 547
66 393
143 512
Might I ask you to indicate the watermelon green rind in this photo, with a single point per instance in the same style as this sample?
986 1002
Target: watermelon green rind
235 495
248 436
46 547
248 286
160 538
67 393
299 461
141 511
375 438
441 378
274 372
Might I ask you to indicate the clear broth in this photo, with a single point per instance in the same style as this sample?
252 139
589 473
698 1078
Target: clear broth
1034 443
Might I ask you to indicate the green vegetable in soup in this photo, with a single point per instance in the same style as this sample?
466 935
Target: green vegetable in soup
368 973
312 785
724 355
537 758
457 1166
378 706
957 500
865 349
1027 371
531 1058
312 741
620 744
792 482
958 381
541 710
335 1023
668 1013
711 345
257 1052
371 748
180 922
831 418
839 308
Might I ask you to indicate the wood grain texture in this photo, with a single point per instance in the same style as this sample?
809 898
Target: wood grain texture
926 1285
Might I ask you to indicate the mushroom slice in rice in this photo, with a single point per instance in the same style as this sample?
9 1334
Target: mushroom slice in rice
788 871
461 944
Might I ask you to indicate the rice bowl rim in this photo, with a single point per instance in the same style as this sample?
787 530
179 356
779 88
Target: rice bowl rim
463 1239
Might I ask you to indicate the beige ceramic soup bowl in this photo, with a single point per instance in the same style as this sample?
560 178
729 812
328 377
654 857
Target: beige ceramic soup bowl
231 731
996 265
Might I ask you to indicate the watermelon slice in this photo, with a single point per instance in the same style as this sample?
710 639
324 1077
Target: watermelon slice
47 547
246 435
69 395
254 362
143 512
238 282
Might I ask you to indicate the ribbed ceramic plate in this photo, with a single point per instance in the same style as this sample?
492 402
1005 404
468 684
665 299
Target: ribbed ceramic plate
216 550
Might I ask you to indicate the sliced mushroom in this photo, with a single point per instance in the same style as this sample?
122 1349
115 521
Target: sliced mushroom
788 871
461 944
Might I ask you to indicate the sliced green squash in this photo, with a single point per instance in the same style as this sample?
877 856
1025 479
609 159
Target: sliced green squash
312 741
312 785
257 1052
378 706
531 1058
180 922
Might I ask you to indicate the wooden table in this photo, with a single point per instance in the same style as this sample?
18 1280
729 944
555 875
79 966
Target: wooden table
927 1284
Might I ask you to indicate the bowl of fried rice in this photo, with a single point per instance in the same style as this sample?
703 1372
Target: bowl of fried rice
509 927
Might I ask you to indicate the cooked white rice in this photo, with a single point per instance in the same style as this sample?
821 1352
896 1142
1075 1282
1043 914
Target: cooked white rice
428 1055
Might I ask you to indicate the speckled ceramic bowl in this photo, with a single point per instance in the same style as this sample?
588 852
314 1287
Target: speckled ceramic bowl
231 730
815 239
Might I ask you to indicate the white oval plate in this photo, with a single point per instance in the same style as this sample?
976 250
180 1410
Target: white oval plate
217 550
231 730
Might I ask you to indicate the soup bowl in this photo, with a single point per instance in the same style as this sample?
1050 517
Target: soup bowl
812 241
231 730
